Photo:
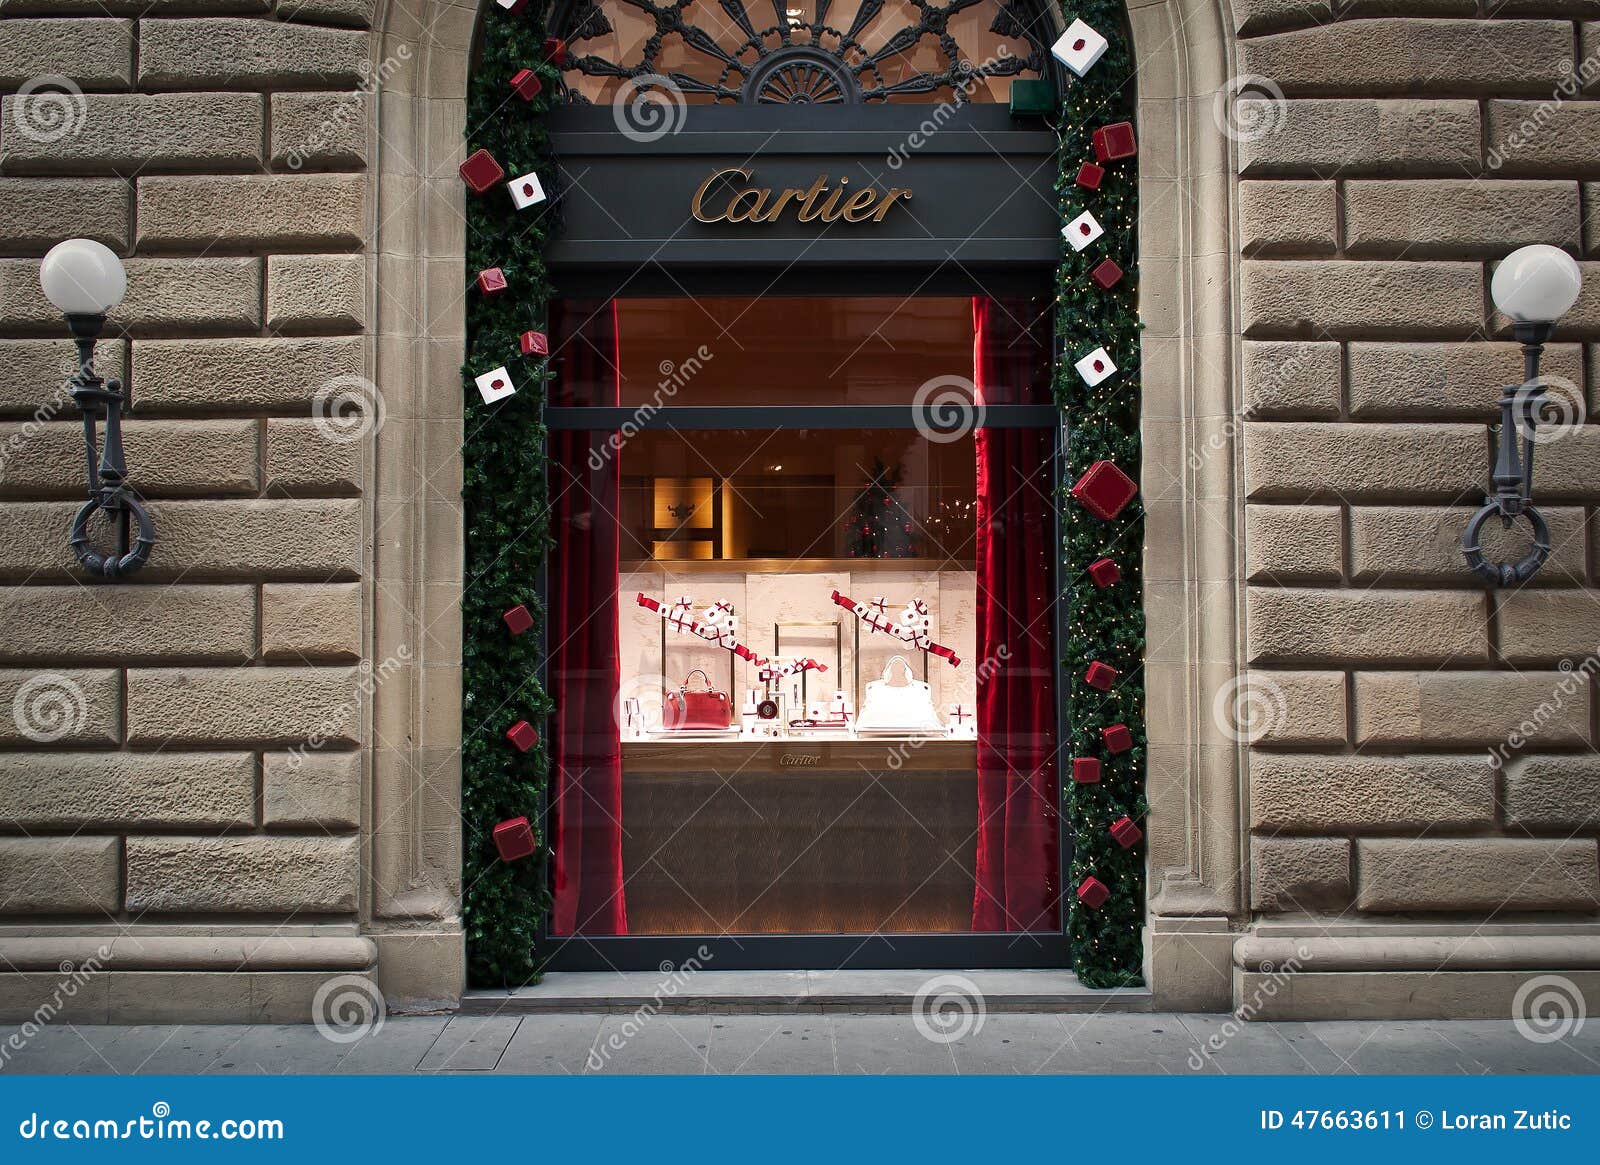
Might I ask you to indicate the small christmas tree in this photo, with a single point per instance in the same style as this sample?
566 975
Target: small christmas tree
879 525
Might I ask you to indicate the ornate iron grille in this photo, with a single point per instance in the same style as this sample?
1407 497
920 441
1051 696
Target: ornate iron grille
776 55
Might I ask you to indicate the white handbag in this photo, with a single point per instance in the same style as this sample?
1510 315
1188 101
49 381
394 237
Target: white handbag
906 706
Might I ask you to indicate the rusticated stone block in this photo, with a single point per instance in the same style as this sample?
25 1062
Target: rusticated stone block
1318 793
1459 379
321 789
1299 873
1293 708
115 790
317 130
316 293
168 458
1538 625
1292 378
131 623
1556 138
229 51
138 133
230 874
1366 626
1459 218
1288 218
1472 709
260 373
1477 874
258 211
64 707
281 706
1359 136
1406 57
302 622
1423 544
1311 298
164 295
1255 17
1293 543
305 457
37 213
95 53
1352 462
1560 793
353 12
59 875
245 540
33 377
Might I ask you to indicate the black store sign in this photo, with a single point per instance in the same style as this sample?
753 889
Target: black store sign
773 197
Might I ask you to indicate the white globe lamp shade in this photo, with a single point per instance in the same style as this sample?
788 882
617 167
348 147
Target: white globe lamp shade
82 277
1537 284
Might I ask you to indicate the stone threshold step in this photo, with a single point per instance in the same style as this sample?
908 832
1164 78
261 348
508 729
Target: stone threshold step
765 992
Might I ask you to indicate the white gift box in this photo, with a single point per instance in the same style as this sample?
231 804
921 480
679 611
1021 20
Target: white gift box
525 191
1079 47
1095 367
495 385
1082 231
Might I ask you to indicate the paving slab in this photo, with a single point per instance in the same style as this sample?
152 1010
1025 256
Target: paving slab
887 1045
162 1049
401 1040
281 1049
651 1045
551 1044
756 1045
470 1044
1394 1047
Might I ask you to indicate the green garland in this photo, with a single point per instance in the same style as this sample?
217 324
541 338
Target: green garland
507 528
1105 625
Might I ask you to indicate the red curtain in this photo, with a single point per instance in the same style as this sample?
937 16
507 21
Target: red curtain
1018 817
585 660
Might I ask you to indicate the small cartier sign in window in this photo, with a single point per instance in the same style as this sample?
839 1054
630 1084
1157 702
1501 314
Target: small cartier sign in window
728 195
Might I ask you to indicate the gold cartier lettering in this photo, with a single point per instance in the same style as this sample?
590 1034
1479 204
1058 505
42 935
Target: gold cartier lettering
727 195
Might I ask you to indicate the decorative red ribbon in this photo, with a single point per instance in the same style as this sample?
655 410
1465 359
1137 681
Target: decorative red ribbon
859 611
738 649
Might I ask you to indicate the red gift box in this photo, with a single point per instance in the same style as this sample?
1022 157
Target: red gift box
1114 141
1086 770
1104 572
522 735
514 839
1101 676
1105 274
1125 832
555 51
519 619
526 84
512 8
535 344
491 280
1092 892
1090 176
481 172
1117 738
1104 489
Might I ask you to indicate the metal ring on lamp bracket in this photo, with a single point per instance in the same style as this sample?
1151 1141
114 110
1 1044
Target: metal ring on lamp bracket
110 565
1506 574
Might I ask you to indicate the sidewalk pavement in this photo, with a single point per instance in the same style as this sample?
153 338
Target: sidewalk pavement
809 1043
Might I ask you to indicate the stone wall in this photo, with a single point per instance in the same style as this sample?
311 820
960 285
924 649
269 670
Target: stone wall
152 787
1413 146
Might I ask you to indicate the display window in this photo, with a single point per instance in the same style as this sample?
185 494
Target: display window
802 624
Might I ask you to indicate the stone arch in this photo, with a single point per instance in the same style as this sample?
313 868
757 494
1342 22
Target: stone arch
1189 478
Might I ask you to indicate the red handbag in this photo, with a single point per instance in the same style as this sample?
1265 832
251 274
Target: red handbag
696 708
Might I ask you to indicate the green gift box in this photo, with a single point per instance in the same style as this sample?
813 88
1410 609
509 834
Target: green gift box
1032 98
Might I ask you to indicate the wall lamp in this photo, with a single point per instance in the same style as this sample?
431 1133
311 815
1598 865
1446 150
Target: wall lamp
85 280
1535 286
